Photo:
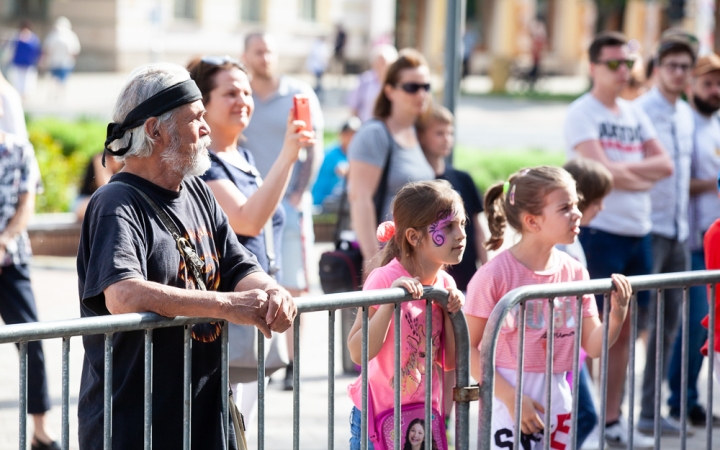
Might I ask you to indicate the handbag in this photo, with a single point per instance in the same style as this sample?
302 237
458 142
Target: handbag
193 261
341 269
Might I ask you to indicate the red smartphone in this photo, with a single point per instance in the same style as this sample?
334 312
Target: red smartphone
302 110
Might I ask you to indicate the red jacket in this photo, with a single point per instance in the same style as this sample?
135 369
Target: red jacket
712 261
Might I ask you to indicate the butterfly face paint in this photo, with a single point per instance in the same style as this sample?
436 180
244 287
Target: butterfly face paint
437 228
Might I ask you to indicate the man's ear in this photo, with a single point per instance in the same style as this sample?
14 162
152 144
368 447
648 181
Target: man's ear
152 128
413 236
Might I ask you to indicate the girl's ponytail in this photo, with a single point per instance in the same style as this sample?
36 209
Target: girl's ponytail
496 215
386 234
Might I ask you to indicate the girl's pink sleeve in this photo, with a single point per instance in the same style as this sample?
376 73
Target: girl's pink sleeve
377 280
482 293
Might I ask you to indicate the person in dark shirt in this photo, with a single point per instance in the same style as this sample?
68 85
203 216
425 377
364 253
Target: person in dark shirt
95 176
436 135
128 261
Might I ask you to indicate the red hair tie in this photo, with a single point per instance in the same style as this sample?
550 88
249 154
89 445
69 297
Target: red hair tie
385 231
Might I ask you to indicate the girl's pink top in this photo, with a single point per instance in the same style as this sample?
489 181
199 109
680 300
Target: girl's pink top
505 273
412 354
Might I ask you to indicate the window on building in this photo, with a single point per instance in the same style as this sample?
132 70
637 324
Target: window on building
30 9
308 9
250 10
185 9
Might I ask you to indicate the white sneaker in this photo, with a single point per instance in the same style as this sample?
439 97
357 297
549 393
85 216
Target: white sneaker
592 441
616 436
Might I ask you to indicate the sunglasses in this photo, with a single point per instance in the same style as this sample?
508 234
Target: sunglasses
614 64
412 88
220 60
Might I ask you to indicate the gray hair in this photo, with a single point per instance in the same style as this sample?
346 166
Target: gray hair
144 82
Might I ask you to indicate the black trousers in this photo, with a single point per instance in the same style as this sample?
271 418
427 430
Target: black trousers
17 305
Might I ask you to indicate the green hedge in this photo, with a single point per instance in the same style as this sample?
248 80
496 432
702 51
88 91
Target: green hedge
64 148
487 167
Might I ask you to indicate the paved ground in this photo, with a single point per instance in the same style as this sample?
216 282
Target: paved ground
55 284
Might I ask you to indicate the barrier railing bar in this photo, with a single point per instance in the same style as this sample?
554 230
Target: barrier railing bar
225 382
684 368
147 420
23 349
364 363
65 428
107 393
519 375
296 383
604 365
331 379
429 369
631 376
711 365
37 331
397 325
576 373
659 328
549 347
261 388
187 385
108 325
600 286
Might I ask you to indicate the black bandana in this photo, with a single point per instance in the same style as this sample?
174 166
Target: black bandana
160 103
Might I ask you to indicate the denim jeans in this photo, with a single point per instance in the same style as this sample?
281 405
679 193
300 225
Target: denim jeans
355 430
586 415
609 253
697 337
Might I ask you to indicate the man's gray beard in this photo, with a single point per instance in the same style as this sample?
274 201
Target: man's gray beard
198 165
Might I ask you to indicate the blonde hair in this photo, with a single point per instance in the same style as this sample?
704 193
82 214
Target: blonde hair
524 192
434 114
417 205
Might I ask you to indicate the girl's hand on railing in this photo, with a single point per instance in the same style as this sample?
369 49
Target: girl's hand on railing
456 300
412 285
620 298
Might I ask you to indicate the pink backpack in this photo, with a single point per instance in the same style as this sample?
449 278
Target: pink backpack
381 427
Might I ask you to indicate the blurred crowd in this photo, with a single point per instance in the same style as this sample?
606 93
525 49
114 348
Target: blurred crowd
245 142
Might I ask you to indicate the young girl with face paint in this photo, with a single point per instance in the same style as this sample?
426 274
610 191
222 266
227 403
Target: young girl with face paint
541 204
428 233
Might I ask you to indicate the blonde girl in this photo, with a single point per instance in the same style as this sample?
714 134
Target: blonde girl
541 204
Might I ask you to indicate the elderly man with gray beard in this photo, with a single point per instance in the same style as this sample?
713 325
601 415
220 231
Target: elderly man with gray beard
131 260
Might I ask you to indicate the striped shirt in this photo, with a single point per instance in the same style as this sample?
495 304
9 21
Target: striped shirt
505 273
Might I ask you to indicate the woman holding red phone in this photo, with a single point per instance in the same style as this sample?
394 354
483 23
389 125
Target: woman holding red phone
249 202
388 140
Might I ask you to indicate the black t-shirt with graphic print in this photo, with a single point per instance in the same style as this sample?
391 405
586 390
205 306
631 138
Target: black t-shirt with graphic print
122 238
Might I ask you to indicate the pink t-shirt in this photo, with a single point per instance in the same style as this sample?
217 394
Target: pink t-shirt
505 273
412 332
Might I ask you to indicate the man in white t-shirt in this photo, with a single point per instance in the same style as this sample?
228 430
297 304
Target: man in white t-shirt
619 135
704 210
675 126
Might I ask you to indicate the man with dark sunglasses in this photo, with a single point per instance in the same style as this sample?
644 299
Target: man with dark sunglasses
673 121
618 134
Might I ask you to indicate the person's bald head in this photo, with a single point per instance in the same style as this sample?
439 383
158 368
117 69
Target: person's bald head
260 55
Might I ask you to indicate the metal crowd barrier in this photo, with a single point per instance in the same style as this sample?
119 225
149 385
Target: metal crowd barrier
548 292
463 393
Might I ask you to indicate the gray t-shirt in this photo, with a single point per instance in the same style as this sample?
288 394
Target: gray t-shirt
266 132
626 213
371 145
